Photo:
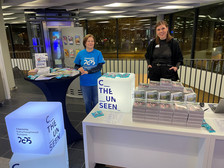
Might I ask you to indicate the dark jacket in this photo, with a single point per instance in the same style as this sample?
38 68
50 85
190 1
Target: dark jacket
175 49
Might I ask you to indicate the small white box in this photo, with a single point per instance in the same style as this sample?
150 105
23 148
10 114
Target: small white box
116 92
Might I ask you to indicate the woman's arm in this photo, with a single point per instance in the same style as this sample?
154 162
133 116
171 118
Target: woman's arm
95 69
148 55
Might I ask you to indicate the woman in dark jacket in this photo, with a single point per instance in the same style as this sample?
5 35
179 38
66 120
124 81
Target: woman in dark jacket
163 55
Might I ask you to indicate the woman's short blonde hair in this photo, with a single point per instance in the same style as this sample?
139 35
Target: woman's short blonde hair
86 38
169 37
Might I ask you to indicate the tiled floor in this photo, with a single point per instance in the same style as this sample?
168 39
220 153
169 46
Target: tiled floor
26 92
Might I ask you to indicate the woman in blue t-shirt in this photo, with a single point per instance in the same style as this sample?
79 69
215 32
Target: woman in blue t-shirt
89 62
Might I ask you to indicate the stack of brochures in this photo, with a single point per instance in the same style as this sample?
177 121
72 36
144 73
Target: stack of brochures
152 111
180 114
196 115
53 73
167 112
138 111
166 90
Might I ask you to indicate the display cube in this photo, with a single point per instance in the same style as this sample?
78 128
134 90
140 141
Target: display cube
116 92
58 158
35 127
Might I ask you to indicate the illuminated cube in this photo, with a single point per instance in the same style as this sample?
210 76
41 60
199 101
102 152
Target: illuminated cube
35 127
58 158
116 92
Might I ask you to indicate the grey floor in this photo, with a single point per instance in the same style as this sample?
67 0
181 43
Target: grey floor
26 92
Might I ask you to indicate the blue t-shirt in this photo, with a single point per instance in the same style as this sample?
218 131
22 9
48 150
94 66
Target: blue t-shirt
89 60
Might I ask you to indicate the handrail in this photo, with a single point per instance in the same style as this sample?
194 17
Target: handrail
205 76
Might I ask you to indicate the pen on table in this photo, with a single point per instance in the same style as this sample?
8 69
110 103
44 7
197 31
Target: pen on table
206 109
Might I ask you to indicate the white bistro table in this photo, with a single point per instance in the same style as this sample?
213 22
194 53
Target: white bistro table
114 139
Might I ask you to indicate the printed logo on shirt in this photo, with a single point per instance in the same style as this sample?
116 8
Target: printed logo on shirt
89 61
157 46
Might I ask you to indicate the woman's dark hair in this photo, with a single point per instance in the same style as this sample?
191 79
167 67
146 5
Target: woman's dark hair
86 38
169 37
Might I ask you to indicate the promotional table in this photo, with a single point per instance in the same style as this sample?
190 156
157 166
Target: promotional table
114 139
55 90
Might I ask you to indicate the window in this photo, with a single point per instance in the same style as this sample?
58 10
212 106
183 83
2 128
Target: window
182 30
105 33
134 36
131 40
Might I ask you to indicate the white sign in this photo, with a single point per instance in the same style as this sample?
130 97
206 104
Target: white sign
35 127
41 60
116 92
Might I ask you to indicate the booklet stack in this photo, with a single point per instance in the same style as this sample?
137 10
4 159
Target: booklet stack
167 90
180 114
138 110
166 112
152 111
196 115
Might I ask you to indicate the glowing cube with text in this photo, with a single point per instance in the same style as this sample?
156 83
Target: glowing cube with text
116 92
35 127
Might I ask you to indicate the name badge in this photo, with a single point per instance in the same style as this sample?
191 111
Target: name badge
157 46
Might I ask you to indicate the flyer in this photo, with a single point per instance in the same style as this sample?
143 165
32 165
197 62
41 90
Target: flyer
77 40
66 52
40 60
65 40
70 40
71 53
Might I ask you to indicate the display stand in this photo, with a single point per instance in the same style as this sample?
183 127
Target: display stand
58 158
55 90
216 154
37 136
116 92
114 139
72 44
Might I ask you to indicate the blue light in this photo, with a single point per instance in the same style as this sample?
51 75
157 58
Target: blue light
35 127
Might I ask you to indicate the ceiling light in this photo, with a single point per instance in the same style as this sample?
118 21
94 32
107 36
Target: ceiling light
7 14
121 5
181 2
221 19
10 18
174 7
104 22
144 20
147 10
113 5
82 18
105 12
202 16
211 18
126 4
29 12
121 16
4 7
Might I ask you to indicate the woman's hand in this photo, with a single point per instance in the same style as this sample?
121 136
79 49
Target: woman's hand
149 66
81 70
85 72
174 68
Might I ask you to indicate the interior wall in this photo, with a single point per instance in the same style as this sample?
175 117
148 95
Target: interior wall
5 63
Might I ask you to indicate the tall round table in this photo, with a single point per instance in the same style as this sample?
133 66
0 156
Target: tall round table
55 90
